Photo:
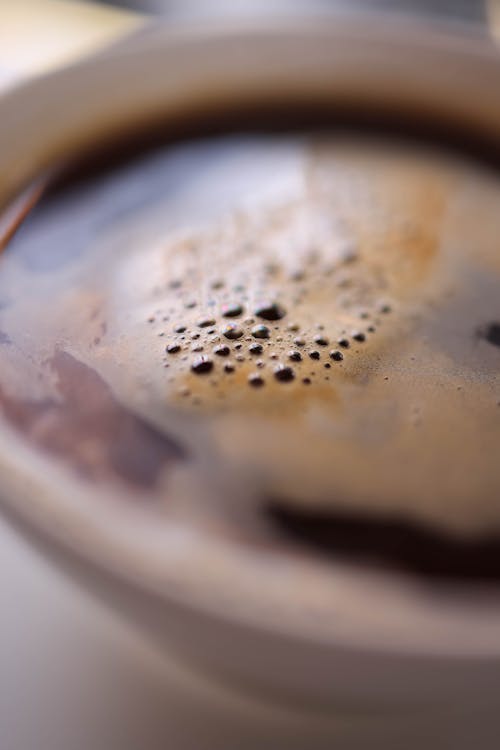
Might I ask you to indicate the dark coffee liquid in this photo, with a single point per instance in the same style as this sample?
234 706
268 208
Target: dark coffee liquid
312 313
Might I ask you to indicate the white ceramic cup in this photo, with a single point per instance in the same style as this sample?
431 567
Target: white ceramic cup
197 595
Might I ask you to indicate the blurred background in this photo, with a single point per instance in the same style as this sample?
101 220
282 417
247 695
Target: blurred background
475 10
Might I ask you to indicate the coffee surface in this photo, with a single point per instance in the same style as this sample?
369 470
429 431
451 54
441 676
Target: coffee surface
248 328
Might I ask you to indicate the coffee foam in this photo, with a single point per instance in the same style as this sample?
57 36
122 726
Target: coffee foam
370 251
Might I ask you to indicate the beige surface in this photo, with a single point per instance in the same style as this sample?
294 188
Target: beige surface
38 35
493 15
